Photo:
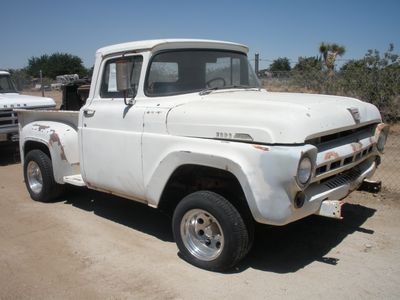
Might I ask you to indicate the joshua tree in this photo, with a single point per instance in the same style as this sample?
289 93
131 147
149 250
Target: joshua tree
329 52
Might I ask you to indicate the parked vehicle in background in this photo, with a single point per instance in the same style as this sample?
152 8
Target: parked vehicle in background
74 94
184 126
11 99
67 78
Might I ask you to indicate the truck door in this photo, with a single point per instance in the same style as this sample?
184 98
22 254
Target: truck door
111 134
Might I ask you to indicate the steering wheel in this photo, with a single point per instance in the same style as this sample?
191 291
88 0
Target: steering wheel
216 79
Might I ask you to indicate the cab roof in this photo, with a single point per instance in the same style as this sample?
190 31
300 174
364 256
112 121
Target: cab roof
156 45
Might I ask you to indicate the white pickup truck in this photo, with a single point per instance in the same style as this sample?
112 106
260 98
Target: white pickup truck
184 126
11 99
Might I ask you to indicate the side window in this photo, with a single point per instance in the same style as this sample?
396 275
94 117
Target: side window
109 81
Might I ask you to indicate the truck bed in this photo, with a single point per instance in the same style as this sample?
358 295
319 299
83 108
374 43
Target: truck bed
26 116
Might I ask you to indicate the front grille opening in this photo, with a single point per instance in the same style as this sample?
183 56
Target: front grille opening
5 122
348 160
331 137
321 170
7 118
335 165
358 157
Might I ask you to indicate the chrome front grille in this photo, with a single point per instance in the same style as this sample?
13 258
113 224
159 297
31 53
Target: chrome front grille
344 161
8 118
340 152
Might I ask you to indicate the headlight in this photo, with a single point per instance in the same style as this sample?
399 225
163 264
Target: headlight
304 170
380 144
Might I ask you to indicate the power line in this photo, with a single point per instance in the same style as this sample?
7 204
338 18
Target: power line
296 61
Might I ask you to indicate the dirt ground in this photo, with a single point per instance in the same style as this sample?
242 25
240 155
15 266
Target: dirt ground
90 245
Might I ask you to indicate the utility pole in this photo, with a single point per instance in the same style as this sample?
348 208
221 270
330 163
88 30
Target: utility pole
41 82
256 61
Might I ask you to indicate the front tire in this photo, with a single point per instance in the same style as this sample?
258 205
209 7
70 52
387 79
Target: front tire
209 231
39 178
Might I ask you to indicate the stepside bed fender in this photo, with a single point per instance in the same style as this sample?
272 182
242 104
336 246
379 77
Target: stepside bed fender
60 139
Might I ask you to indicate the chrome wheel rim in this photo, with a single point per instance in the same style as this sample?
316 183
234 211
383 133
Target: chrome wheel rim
202 234
35 179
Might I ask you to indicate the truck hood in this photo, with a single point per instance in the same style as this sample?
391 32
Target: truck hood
14 100
276 118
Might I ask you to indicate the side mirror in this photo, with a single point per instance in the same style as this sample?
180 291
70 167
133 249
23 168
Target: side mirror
122 70
122 74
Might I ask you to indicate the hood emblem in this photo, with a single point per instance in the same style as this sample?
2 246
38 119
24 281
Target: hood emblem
355 114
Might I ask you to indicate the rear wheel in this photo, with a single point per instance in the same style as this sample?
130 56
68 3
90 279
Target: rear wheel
39 178
210 233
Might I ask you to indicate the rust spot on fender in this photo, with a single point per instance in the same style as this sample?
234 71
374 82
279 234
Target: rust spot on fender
55 139
379 128
262 148
331 155
356 146
41 127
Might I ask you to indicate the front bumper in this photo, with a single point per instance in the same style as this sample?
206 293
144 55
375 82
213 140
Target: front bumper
278 208
336 188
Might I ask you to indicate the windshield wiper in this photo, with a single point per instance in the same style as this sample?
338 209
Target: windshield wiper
209 90
7 91
238 86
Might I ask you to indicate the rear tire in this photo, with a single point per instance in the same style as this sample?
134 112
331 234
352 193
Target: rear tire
209 232
39 178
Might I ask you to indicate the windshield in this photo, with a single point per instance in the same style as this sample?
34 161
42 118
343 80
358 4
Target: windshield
6 85
187 71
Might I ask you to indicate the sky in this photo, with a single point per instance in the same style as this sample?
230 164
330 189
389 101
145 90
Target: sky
271 28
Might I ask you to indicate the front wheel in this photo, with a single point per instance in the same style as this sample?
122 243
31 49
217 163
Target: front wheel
39 178
209 231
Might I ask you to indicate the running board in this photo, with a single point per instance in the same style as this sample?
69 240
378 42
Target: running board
74 180
331 209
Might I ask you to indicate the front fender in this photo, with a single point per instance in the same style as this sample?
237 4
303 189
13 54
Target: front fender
159 167
173 161
61 140
266 173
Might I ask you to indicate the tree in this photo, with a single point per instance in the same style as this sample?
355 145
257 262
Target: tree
308 64
330 52
376 79
20 78
308 73
282 64
56 64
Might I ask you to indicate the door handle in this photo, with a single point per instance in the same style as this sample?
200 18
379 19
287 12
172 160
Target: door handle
89 113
